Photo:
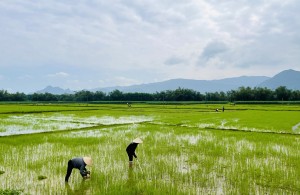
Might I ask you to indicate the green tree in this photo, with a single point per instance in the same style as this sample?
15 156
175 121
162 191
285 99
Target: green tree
18 97
99 96
263 94
282 93
4 95
83 96
116 95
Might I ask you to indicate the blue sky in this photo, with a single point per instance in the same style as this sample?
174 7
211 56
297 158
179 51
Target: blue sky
99 43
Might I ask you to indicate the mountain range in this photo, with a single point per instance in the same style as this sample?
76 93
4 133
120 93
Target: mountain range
55 90
288 78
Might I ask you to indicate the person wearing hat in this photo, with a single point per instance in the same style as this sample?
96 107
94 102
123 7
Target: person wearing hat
79 163
131 150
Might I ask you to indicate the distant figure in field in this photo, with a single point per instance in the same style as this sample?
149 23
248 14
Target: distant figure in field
79 163
217 110
223 109
129 104
131 150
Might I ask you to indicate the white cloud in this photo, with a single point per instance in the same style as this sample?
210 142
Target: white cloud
59 74
213 49
25 77
130 42
118 81
175 60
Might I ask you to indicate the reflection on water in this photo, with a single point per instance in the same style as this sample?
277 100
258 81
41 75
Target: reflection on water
83 188
28 124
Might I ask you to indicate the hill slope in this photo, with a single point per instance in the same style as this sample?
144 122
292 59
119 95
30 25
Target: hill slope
197 85
55 90
289 78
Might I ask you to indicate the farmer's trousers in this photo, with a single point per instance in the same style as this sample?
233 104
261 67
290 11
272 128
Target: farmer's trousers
69 170
130 156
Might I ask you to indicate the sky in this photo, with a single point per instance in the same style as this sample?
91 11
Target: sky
99 43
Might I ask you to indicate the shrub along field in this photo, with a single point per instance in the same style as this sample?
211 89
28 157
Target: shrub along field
187 149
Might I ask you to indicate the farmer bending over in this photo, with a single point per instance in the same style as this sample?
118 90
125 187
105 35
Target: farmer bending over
79 163
131 150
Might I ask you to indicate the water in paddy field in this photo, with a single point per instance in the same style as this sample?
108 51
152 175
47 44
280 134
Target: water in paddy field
296 128
28 124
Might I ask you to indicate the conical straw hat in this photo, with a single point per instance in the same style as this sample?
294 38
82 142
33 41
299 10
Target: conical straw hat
137 140
88 160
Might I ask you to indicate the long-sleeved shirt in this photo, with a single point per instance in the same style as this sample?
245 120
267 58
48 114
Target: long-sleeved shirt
131 149
78 163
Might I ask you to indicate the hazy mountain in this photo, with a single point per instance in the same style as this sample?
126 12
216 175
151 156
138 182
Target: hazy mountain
289 78
55 90
197 85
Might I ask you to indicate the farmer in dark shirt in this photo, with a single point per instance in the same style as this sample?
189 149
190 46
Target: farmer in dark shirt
131 150
79 163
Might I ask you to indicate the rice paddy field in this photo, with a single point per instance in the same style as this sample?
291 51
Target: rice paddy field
187 148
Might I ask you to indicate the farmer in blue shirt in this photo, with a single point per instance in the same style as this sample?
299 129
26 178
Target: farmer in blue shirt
79 163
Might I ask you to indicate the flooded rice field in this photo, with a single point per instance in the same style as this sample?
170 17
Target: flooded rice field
28 124
182 152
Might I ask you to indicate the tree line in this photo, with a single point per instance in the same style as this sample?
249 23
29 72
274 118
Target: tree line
180 94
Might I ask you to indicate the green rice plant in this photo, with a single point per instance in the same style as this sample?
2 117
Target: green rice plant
10 192
187 149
